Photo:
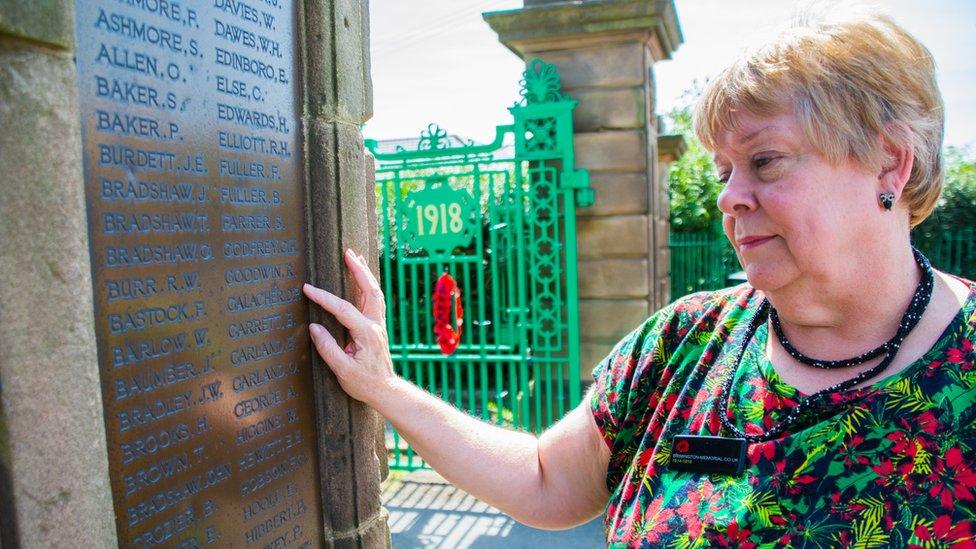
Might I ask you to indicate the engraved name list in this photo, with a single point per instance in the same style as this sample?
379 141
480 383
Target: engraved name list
193 173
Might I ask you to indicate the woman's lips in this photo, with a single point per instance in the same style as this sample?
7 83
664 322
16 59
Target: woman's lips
751 242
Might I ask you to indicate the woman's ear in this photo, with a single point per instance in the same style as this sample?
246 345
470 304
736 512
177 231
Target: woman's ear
898 158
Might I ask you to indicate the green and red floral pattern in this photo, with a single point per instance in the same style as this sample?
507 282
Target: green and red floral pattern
892 464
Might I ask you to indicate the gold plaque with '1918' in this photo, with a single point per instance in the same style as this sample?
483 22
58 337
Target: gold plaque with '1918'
438 217
193 173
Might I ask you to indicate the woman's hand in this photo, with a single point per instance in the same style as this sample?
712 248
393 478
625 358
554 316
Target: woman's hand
554 482
364 365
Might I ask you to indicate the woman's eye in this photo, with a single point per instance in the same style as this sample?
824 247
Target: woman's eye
763 161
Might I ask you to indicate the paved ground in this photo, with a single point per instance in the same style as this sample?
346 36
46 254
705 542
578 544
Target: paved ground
426 511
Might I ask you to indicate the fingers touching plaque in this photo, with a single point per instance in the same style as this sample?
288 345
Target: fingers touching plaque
373 308
327 347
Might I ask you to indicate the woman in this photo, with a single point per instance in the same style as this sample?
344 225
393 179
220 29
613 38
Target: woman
827 402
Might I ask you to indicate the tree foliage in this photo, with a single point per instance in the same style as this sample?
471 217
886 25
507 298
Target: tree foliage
948 236
692 180
956 208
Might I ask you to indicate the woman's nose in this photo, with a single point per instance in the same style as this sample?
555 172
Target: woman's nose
736 196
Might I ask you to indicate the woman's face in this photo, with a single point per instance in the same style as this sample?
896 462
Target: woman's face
791 215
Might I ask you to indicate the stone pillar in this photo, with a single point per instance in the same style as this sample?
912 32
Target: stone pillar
54 467
54 483
605 51
339 100
669 149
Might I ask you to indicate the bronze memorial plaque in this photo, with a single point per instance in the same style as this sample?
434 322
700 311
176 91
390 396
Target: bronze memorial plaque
193 173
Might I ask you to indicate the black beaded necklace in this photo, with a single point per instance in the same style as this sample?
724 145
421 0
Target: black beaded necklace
920 301
922 293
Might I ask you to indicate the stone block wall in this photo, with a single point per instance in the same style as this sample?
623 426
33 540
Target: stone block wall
612 141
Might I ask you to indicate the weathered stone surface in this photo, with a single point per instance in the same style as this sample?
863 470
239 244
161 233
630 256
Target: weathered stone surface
614 236
663 230
663 295
670 148
52 435
662 275
339 100
355 196
376 531
351 22
650 97
662 204
50 22
369 178
591 354
610 319
339 86
342 197
356 202
608 109
326 271
618 65
618 193
576 24
372 256
613 278
614 150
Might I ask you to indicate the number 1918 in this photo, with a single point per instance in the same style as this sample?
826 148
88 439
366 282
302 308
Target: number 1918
440 218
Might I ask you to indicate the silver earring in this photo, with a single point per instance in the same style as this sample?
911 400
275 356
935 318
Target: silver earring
887 200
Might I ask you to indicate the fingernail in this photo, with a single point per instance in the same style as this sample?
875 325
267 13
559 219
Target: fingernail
316 329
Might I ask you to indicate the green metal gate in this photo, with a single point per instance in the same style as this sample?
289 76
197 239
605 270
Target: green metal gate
500 219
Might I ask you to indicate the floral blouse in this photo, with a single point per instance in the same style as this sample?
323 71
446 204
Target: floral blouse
892 464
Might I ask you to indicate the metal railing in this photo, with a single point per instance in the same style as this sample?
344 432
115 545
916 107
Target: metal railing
704 260
952 251
700 261
501 221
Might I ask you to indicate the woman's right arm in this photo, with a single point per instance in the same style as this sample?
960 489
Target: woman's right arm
553 481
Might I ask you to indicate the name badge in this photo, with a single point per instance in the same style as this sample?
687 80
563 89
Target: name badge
699 454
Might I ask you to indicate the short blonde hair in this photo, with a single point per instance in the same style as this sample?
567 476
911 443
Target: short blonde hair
848 81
